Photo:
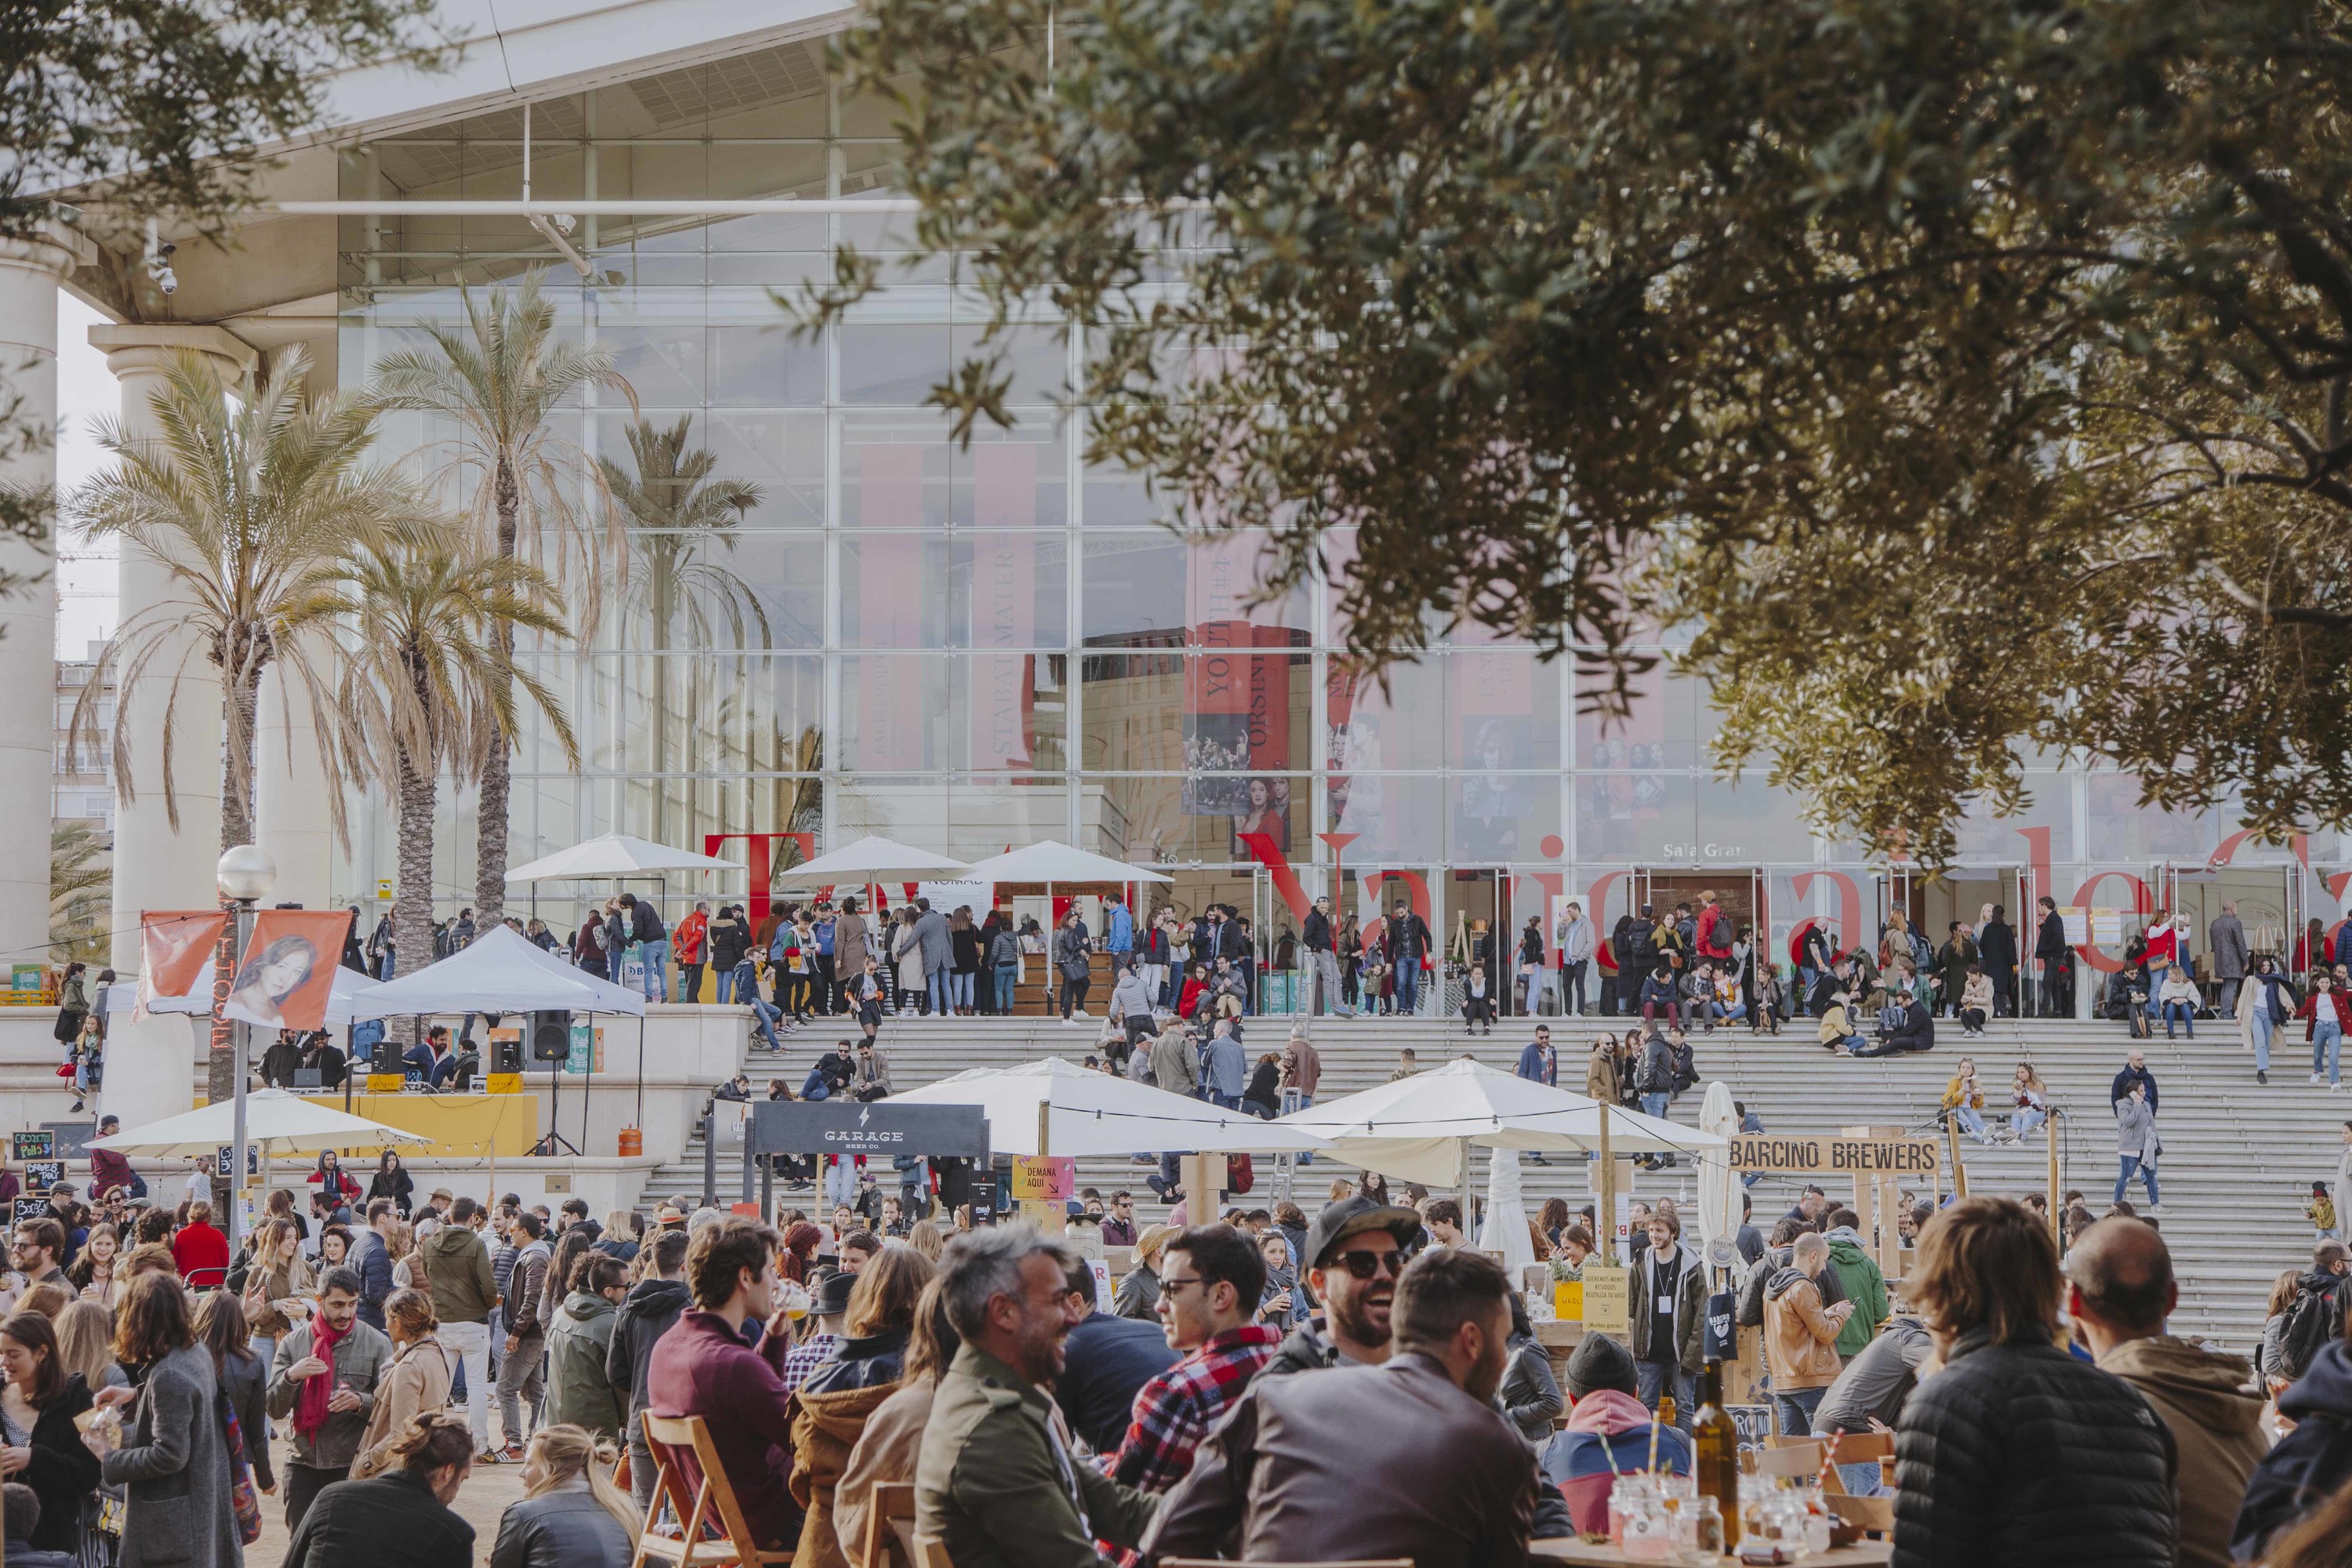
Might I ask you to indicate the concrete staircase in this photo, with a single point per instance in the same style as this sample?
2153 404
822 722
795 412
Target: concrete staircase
2240 1158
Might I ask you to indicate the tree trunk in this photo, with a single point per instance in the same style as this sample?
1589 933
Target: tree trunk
411 903
240 702
497 787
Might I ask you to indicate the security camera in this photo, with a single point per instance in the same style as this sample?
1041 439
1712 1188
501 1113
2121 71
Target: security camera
564 222
167 280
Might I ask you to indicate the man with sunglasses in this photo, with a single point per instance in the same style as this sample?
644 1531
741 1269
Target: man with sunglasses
1355 1251
1209 1294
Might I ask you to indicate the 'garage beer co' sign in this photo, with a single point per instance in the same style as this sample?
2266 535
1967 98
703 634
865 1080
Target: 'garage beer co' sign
1835 1155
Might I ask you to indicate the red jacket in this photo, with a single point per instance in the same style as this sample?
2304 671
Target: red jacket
197 1246
109 1168
687 937
2309 1012
700 1368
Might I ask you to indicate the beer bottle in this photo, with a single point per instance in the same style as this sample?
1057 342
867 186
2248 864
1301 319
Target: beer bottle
1715 1451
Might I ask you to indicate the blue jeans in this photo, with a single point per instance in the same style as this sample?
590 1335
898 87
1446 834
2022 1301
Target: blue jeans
2185 1012
959 988
814 1087
657 954
1864 1480
2262 1028
1972 1120
1006 975
1733 1011
935 986
726 991
1805 979
1797 1408
2327 1042
1650 1381
1408 986
2026 1120
2127 1164
764 1018
1655 1104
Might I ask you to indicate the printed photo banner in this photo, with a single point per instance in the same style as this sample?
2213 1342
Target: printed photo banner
290 969
175 948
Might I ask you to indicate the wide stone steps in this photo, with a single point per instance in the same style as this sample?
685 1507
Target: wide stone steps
2238 1158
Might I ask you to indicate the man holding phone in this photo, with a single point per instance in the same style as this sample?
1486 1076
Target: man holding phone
324 1378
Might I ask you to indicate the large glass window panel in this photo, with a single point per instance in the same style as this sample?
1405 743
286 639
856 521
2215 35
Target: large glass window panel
764 368
1985 840
895 363
1390 815
1668 726
912 810
893 590
910 712
1037 358
736 590
985 814
894 470
1394 718
661 360
1149 587
1012 478
1504 710
2121 829
1120 497
1134 713
1496 819
1749 824
1640 818
783 454
691 711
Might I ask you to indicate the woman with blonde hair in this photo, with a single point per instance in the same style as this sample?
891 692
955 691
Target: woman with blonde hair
892 1438
414 1384
85 1344
278 1280
93 1270
570 1515
924 1237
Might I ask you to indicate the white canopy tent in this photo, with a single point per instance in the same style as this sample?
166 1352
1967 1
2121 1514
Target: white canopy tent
615 855
1505 1229
276 1122
1420 1128
872 859
1050 862
497 971
1075 1111
341 1001
1718 1184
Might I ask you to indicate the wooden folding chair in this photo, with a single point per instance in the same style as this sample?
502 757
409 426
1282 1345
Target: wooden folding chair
1799 1456
890 1525
712 1504
1875 1514
930 1552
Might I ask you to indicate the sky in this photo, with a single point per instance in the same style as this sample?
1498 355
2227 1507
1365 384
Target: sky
86 391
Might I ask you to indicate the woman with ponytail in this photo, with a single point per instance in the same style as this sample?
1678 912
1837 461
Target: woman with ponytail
572 1515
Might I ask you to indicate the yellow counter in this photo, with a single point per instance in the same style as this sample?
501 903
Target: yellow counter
460 1125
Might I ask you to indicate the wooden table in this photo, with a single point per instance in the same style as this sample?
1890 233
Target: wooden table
1570 1549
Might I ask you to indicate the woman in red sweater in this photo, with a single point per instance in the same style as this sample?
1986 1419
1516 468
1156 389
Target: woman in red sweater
200 1250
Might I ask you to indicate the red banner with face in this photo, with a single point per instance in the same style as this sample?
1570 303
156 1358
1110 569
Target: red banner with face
176 946
289 969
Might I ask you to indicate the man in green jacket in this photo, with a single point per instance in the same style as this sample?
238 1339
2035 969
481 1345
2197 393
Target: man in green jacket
464 1291
1864 1286
994 1483
579 1342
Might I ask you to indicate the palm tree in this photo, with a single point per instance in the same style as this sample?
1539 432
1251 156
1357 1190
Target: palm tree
501 381
252 507
678 515
428 626
80 892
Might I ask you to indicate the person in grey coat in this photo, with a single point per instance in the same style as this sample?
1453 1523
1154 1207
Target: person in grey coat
1224 1067
2136 1144
938 955
2226 940
173 1464
1529 1397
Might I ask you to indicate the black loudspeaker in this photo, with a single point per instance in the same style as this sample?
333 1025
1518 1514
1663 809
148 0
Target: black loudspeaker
383 1059
506 1056
550 1036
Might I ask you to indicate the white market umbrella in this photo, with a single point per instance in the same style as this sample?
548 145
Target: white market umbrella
615 855
341 1001
1091 1113
1718 1184
275 1121
1420 1128
1505 1229
1051 861
498 972
873 859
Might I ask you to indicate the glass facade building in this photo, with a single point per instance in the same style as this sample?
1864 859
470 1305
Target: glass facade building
973 648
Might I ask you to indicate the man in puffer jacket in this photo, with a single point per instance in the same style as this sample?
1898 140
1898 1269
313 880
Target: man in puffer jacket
2016 1453
579 1391
2311 1463
645 1315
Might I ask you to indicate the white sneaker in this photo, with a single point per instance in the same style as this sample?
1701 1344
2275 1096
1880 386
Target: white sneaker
2158 1210
2314 1077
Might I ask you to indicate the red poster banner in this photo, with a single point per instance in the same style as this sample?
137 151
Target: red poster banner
890 590
175 947
1003 687
289 969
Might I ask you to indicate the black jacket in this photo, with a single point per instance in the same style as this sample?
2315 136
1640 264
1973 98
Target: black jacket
2126 1078
395 1185
560 1530
2022 1455
645 1315
391 1522
1997 947
1106 1362
730 939
864 1363
1317 932
63 1471
2310 1462
2050 942
1657 1074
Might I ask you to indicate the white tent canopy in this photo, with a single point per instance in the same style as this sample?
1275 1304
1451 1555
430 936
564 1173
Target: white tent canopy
1052 861
1417 1129
497 971
275 1121
1718 1184
872 860
341 1001
615 855
1095 1113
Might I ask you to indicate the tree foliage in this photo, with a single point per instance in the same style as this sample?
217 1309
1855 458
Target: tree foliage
1963 379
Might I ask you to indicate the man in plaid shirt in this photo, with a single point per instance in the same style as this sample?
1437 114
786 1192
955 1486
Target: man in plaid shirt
1212 1277
831 1306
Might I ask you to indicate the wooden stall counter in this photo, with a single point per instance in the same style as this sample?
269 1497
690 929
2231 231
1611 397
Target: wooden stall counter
462 1126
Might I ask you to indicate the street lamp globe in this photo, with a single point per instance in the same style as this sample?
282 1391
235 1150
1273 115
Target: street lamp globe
247 873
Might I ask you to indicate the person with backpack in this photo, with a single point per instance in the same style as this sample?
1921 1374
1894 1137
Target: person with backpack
2315 1316
2313 1459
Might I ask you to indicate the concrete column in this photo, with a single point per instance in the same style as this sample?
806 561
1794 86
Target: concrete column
29 272
292 815
151 1066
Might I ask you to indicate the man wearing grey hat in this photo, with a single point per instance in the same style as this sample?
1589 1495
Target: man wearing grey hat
1607 1434
1355 1251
